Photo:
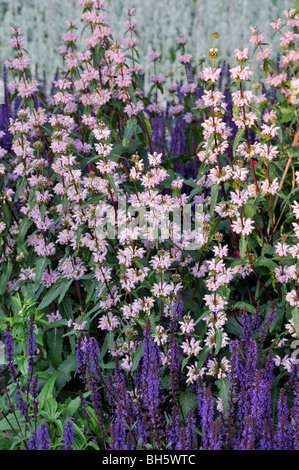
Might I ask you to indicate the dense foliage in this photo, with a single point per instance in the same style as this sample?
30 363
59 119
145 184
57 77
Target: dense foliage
149 245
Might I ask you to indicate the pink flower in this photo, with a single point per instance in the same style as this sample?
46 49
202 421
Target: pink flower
127 363
191 347
289 13
210 75
187 325
282 249
295 206
243 100
277 80
181 40
264 54
243 227
256 38
27 89
292 298
176 109
70 37
54 316
269 131
240 73
154 55
160 337
79 325
158 78
72 268
155 159
156 108
241 54
172 87
108 322
276 25
185 59
130 25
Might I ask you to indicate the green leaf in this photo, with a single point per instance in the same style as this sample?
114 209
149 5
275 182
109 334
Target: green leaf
137 356
191 305
236 111
47 390
277 324
69 365
25 225
214 195
250 210
108 365
233 327
55 342
112 183
269 263
295 316
185 362
213 227
65 288
218 341
193 193
130 146
169 162
222 385
58 289
191 182
22 183
91 201
201 358
12 421
50 408
5 277
237 140
22 365
7 217
41 265
286 115
242 247
105 345
210 141
188 402
241 305
72 407
130 130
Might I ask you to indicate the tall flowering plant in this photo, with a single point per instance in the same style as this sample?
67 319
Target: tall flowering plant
113 243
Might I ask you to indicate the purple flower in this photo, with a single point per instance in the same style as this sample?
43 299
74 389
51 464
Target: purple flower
207 415
68 435
31 344
247 442
216 435
173 429
295 418
9 351
190 436
43 437
150 379
283 436
267 440
120 428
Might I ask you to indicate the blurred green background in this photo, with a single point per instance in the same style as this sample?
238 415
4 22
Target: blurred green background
159 23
